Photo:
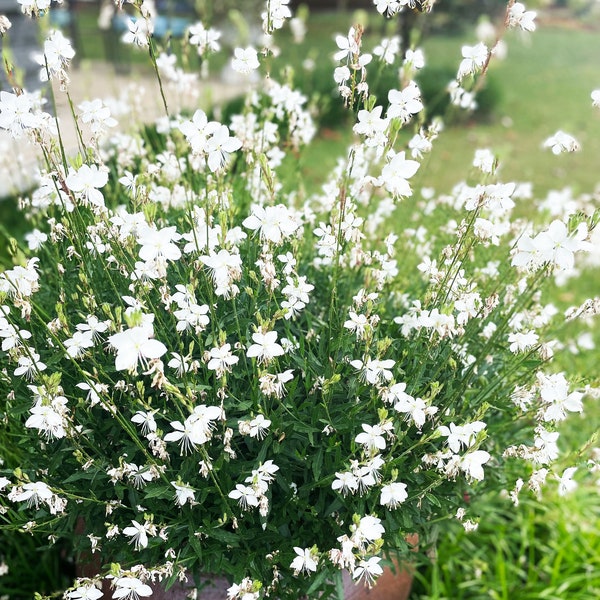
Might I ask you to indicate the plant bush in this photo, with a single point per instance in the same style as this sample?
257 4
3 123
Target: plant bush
211 375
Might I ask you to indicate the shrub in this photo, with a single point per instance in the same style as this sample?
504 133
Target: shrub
211 374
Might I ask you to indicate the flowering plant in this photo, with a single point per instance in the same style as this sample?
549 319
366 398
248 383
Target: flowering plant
215 372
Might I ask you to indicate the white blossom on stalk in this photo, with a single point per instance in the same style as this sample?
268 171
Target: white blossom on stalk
405 103
183 493
369 569
138 534
86 181
58 53
130 588
368 530
565 482
138 33
219 146
275 15
221 360
519 16
33 493
474 57
306 560
395 175
374 370
5 24
472 464
86 591
245 60
265 347
387 7
205 40
562 142
345 482
159 244
275 223
34 7
596 98
371 437
29 365
245 495
17 113
135 345
393 494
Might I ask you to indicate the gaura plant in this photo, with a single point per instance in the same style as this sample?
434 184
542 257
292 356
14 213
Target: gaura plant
211 371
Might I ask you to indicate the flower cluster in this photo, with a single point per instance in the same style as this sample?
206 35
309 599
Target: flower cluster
216 371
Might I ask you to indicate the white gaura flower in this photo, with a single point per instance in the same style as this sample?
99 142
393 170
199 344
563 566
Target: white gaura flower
221 360
345 482
219 145
34 493
406 103
84 592
519 16
472 464
265 347
16 113
134 345
306 560
245 60
138 534
29 365
395 175
562 142
565 482
374 370
275 223
596 98
86 182
371 437
245 495
183 493
474 57
393 494
159 243
369 529
369 569
130 588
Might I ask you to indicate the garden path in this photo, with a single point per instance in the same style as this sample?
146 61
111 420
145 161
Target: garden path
96 79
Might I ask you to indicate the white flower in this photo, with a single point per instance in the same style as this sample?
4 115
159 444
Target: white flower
369 569
84 592
138 534
393 494
221 359
371 437
134 345
183 493
130 588
307 560
596 98
275 223
566 483
519 16
245 61
474 57
86 182
265 347
562 142
405 103
34 493
345 482
396 172
369 529
472 464
245 495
